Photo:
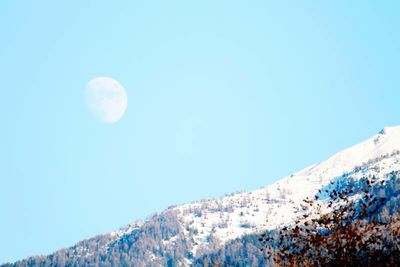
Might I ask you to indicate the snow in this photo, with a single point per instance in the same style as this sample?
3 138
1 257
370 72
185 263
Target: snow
278 204
127 229
233 216
383 143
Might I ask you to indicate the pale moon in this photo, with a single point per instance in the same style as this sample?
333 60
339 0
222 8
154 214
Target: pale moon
106 99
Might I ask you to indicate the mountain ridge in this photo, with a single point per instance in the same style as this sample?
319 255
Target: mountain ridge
180 234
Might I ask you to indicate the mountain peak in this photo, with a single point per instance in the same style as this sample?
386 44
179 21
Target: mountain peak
385 142
390 129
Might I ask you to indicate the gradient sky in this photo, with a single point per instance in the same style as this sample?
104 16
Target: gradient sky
223 96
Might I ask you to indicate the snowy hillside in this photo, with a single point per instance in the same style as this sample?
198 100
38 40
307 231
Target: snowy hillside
183 233
267 208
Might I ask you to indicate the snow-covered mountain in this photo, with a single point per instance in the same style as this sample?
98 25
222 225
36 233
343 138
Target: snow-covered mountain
181 235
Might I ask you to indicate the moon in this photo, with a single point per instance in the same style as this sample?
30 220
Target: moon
106 99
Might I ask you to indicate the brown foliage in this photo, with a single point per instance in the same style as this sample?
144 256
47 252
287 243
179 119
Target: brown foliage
350 235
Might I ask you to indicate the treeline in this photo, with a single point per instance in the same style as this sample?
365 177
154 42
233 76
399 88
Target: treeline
143 245
362 230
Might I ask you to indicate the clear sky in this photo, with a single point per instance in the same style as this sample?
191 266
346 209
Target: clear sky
223 96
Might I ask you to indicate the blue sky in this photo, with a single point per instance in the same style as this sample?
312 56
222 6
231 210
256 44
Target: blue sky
223 97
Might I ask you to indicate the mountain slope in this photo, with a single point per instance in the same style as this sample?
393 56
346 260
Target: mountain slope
181 235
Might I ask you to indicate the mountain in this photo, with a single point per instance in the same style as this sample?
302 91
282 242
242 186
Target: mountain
200 232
